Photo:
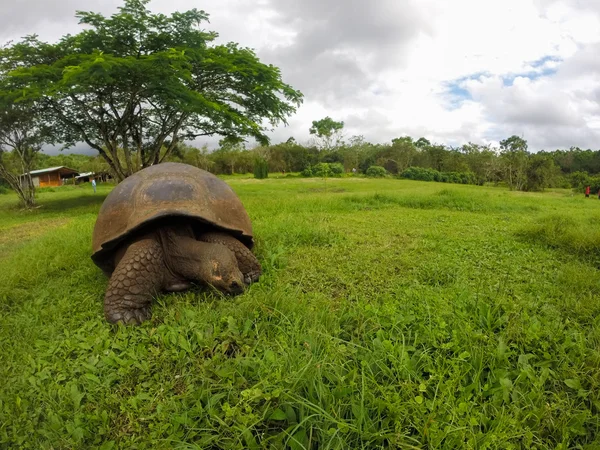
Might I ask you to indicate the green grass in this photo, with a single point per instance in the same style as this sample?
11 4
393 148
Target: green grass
391 314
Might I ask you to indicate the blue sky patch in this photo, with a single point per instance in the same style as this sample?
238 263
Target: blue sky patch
508 79
454 94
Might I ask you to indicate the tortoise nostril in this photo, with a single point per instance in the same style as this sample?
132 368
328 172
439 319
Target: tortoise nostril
236 287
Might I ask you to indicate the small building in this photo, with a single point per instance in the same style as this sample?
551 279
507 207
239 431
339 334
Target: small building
51 177
86 177
103 176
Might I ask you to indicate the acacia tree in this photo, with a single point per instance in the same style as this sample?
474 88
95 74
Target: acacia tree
514 154
352 151
21 138
328 130
482 161
138 84
541 172
403 151
198 157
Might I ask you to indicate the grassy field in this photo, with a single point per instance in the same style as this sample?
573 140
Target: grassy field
391 314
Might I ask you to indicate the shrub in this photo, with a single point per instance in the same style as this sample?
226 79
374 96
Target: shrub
4 190
307 172
336 169
376 172
391 166
321 170
579 180
419 173
324 170
563 182
261 168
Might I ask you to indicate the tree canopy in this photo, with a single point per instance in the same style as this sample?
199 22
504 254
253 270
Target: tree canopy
328 130
136 84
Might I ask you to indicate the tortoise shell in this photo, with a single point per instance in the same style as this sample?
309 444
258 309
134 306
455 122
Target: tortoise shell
164 191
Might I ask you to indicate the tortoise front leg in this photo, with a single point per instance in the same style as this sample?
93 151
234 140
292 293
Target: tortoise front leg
247 262
137 277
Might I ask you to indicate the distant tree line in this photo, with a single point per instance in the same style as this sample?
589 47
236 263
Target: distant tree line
137 86
511 164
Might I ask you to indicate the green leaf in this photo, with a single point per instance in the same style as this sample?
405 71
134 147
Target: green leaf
92 377
299 441
76 396
278 414
108 445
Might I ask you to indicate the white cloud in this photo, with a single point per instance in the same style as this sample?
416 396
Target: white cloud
552 44
397 67
560 110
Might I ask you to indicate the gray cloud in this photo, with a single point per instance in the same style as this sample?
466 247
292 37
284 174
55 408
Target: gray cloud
552 112
584 62
340 46
374 125
520 107
339 54
552 137
50 19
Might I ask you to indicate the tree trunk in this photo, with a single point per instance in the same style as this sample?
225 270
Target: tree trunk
26 193
112 159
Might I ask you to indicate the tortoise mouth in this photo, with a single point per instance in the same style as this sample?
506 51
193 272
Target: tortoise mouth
235 288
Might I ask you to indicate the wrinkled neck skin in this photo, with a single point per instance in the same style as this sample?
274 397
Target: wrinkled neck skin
183 253
189 260
181 258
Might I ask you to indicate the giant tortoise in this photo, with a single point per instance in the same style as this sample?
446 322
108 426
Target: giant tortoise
165 228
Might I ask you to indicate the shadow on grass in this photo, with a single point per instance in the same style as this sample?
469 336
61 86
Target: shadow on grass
92 202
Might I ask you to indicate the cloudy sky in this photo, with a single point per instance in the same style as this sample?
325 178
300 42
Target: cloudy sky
459 71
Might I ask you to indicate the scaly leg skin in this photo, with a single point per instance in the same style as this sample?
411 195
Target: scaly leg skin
247 262
137 277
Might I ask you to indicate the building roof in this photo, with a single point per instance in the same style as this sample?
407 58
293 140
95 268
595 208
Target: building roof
85 174
61 169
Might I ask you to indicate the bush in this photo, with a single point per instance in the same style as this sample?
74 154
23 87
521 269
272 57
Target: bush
579 180
376 172
324 170
336 169
562 182
391 166
307 172
4 190
261 168
468 178
419 173
321 170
